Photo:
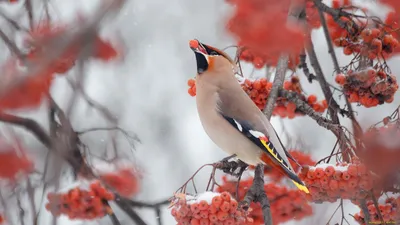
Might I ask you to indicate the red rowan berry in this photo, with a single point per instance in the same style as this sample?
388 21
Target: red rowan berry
194 207
194 221
204 214
329 171
226 196
333 185
225 206
311 174
319 172
213 217
337 175
345 175
217 201
222 216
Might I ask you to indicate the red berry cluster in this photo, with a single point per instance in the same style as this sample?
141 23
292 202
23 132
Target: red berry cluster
206 209
285 204
81 204
267 42
372 43
259 89
393 27
192 87
382 151
369 87
312 15
336 4
124 181
338 33
2 220
390 212
301 157
260 60
13 164
329 183
46 33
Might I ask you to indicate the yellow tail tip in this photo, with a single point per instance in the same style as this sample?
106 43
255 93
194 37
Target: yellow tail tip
301 187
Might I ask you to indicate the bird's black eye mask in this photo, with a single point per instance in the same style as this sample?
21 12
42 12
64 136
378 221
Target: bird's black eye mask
202 51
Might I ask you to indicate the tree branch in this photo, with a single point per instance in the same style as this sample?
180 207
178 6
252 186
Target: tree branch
333 106
365 211
278 83
147 205
306 71
28 124
256 193
328 40
356 126
124 205
307 110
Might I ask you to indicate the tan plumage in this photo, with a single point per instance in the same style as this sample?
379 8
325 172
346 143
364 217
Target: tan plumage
229 116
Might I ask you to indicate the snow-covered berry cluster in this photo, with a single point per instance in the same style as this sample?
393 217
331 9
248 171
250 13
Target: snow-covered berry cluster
369 87
285 203
328 183
207 208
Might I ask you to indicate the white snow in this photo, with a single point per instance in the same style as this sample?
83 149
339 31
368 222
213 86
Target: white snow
387 195
207 196
325 165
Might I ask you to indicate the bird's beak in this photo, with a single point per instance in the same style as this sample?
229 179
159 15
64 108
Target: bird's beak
201 55
197 46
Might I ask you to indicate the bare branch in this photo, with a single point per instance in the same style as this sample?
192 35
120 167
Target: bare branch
333 106
306 109
28 7
365 211
124 205
306 71
28 124
278 83
256 193
11 45
356 126
331 51
147 205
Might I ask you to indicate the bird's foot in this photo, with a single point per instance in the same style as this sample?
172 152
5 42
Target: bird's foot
234 168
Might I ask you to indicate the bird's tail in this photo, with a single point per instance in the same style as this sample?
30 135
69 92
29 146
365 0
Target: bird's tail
297 181
284 169
301 187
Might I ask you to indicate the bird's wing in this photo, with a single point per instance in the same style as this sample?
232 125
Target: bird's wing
240 111
236 104
261 140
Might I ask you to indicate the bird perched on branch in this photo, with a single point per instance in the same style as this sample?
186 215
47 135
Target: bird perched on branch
231 119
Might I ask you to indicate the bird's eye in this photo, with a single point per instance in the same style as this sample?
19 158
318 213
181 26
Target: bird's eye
214 53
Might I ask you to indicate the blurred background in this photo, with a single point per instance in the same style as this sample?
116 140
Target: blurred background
148 93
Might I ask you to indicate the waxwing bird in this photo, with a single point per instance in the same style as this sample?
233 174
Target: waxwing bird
231 119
